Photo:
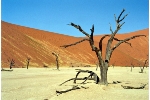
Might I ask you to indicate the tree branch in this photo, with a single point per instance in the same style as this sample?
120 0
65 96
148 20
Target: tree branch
100 42
73 88
80 29
65 46
120 15
122 40
125 40
118 26
111 28
91 36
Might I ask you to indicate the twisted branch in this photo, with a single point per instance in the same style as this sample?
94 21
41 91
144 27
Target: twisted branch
80 29
65 46
125 40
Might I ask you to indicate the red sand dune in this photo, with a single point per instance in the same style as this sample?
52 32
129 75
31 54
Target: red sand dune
20 42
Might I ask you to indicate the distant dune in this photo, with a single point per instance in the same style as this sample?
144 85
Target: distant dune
20 42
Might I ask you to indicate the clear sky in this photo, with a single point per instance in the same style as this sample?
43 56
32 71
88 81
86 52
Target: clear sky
54 15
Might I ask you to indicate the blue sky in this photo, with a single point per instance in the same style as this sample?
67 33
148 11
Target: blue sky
54 15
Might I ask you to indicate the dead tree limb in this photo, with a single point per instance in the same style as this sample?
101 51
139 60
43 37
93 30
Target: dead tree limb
73 88
65 46
125 40
92 75
132 87
71 79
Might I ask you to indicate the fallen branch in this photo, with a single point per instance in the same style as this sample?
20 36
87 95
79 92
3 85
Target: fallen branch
70 80
132 87
73 88
116 82
92 75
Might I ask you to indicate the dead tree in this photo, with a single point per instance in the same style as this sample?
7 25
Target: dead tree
57 60
28 61
104 62
12 63
142 68
132 66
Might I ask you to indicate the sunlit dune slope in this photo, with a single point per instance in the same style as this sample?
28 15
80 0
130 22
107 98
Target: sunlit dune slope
20 42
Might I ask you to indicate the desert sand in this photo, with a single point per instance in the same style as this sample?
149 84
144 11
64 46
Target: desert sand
42 83
39 45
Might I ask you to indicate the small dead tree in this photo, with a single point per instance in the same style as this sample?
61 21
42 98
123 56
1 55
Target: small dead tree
28 61
104 62
12 63
142 68
57 59
132 66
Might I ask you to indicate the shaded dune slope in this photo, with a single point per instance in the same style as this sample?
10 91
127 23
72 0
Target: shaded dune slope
20 42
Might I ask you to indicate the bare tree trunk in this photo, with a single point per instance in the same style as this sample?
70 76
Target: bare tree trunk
103 74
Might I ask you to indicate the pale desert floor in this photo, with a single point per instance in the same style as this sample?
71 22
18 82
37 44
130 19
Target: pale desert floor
42 83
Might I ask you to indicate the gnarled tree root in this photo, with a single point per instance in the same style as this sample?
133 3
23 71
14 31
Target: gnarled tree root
132 87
